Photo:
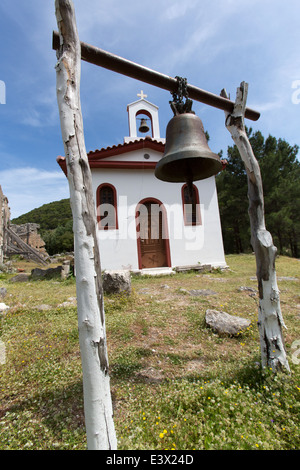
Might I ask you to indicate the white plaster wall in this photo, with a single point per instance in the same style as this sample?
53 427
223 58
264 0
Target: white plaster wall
188 245
136 156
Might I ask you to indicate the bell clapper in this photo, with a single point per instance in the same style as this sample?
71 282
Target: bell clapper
189 184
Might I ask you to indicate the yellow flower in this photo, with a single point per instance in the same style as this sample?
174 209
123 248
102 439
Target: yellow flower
161 435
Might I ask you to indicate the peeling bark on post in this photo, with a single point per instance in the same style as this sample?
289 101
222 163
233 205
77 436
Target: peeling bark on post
91 319
270 320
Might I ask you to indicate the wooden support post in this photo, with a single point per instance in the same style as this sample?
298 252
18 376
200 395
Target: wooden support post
270 320
90 306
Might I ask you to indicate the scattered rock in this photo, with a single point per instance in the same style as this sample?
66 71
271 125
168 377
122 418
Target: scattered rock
22 277
144 291
116 282
197 267
3 308
71 302
247 289
213 278
150 375
225 324
66 268
50 273
7 267
287 278
41 308
197 292
3 292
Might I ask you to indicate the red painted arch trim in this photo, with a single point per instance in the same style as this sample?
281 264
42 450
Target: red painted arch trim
111 164
165 229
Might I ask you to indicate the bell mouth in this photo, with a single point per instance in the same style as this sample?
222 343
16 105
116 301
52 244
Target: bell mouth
184 166
187 156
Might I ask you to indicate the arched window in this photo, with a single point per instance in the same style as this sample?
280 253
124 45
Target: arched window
107 216
191 205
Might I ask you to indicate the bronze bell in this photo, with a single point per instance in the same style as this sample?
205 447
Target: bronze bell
144 126
187 156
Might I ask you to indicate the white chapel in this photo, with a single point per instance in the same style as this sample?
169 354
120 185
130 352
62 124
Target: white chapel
144 223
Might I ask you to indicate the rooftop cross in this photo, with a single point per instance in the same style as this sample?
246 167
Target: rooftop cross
142 95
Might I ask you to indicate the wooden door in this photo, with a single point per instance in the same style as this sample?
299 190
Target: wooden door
152 235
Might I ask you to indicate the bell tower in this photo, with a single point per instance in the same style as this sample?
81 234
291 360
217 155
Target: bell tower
146 113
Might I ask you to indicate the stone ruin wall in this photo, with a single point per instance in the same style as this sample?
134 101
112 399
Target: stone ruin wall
27 232
4 219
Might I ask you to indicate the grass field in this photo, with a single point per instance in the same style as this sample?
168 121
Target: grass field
175 383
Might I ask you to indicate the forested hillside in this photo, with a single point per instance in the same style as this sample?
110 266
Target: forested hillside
280 171
55 220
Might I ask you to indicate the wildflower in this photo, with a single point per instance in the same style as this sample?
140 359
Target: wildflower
161 435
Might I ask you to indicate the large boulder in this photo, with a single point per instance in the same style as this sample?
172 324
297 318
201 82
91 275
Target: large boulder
21 277
3 292
225 324
116 282
50 273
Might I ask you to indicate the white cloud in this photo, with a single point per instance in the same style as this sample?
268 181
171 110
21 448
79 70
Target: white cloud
269 106
29 188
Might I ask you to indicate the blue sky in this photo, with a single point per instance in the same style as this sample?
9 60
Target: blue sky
215 44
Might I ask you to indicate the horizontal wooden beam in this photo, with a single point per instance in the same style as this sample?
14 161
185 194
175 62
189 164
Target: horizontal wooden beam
109 61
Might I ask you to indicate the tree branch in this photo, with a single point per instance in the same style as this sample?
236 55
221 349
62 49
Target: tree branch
270 321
